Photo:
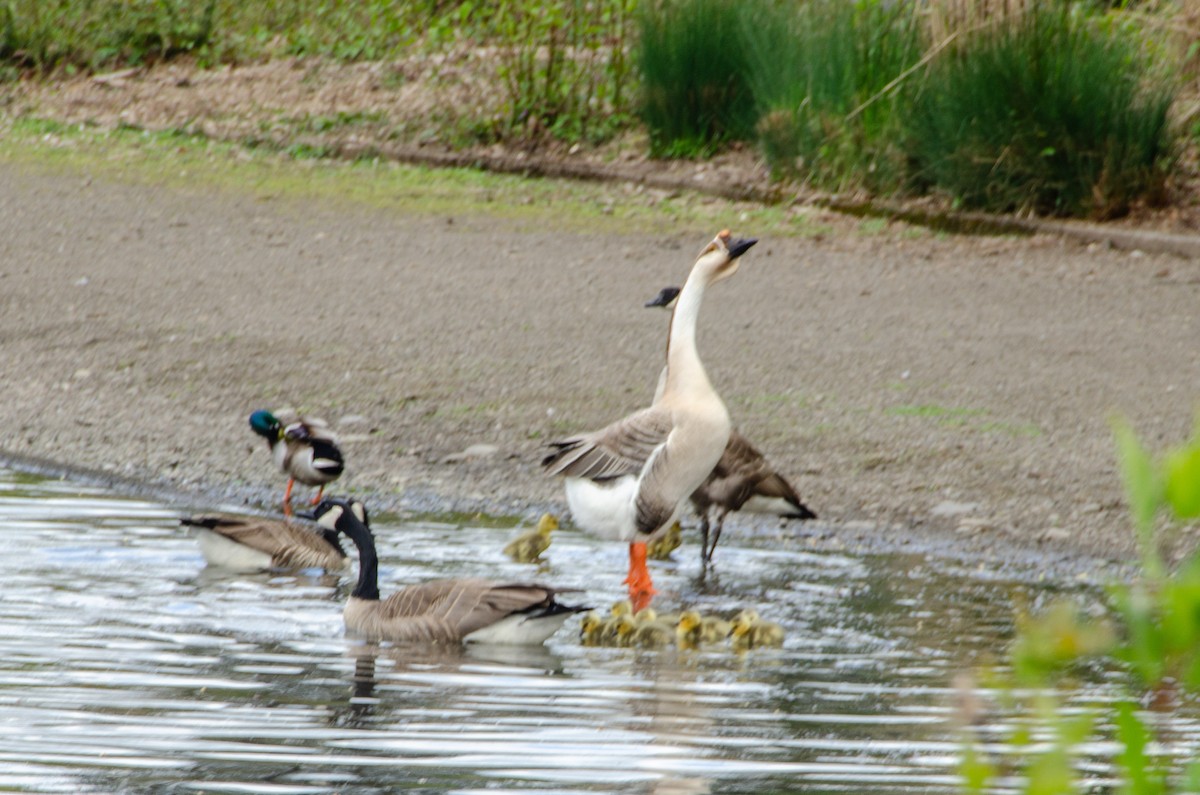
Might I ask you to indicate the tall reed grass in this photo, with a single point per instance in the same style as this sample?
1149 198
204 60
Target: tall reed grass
824 74
694 65
1049 109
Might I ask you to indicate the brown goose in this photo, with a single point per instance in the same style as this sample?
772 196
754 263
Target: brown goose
444 611
304 449
627 481
246 543
741 480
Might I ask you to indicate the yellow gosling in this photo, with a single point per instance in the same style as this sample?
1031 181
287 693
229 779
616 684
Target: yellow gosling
591 629
693 629
529 546
661 548
622 607
751 632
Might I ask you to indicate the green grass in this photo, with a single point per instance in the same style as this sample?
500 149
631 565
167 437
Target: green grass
693 65
185 161
821 76
563 65
1055 111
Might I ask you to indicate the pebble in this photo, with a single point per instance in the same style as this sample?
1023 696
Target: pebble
952 508
474 451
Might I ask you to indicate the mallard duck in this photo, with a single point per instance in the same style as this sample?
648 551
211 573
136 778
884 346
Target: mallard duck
304 449
256 543
742 479
693 629
628 481
467 610
661 548
751 632
529 546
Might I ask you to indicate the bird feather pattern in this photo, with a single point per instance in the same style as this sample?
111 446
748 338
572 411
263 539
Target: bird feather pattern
619 449
290 546
447 611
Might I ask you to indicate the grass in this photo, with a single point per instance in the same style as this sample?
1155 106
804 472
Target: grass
693 65
191 162
1052 110
821 79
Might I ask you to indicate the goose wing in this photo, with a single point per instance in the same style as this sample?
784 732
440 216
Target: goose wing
743 472
621 448
449 610
287 544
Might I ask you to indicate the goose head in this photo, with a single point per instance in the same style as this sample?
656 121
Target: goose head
719 259
665 298
265 424
335 513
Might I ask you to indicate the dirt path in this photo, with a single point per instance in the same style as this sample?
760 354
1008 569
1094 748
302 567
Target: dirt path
942 384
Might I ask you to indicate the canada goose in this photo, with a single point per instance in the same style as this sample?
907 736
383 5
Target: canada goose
304 449
661 548
627 481
444 611
256 543
528 547
693 629
751 632
741 480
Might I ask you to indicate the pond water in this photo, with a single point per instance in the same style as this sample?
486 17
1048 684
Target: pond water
126 665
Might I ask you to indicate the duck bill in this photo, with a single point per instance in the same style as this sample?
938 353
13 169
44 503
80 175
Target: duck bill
740 246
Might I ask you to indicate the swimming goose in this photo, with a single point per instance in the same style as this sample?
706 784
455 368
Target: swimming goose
304 449
255 543
741 480
529 546
627 481
467 610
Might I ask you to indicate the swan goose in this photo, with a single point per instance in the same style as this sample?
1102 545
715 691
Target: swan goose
741 480
469 610
254 543
627 481
304 449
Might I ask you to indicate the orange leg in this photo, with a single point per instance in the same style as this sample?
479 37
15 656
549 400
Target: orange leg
641 588
317 498
287 497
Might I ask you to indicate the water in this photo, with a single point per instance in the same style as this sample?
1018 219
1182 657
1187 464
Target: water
126 665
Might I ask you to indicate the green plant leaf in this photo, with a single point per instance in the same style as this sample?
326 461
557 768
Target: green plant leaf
1182 475
1143 489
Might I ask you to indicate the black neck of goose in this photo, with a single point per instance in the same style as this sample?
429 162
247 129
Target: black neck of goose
368 561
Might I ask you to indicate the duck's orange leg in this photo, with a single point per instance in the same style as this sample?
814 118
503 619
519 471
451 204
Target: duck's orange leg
287 497
641 588
320 491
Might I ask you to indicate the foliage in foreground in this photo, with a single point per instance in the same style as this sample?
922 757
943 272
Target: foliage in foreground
1152 636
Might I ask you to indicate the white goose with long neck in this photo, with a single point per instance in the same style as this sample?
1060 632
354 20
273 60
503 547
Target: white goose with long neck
628 481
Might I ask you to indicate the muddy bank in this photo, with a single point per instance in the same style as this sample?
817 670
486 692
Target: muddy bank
957 387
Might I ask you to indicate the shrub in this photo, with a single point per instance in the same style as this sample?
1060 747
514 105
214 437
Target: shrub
822 73
1047 110
692 61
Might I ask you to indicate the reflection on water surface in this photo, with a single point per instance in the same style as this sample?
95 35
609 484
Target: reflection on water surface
127 666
